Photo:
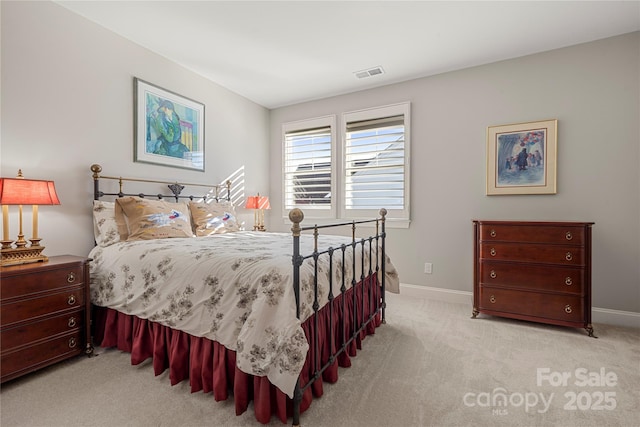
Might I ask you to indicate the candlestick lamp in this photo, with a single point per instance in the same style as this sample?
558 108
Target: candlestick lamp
20 191
259 204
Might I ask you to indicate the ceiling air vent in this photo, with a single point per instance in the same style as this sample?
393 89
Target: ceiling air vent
369 73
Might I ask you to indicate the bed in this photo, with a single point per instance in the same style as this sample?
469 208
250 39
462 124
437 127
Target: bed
259 316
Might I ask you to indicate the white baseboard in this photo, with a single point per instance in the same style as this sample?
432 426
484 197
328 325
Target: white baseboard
440 294
598 315
615 317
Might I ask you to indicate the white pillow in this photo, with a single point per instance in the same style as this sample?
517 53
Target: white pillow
213 218
105 228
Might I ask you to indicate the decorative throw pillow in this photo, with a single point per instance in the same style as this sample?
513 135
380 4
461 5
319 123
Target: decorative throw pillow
213 218
105 228
142 219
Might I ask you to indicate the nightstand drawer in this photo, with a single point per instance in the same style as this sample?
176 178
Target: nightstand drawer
33 308
27 333
565 234
559 307
532 277
34 283
540 253
19 362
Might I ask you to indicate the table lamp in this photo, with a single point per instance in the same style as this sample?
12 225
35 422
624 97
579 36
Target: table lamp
258 204
20 191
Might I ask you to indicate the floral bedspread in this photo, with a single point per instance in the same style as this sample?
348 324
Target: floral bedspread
234 288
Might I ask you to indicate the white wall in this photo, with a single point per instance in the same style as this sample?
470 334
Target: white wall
592 89
67 102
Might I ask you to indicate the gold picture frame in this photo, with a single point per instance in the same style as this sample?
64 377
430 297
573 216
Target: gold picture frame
522 158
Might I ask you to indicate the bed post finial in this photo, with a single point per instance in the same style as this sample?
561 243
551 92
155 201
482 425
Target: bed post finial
383 213
296 216
96 169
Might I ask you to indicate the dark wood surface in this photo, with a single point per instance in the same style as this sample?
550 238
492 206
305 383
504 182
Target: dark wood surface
535 271
44 314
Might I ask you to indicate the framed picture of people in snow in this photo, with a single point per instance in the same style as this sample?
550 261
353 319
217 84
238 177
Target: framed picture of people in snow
168 128
522 158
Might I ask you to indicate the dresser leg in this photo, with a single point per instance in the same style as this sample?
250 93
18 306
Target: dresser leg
589 330
474 313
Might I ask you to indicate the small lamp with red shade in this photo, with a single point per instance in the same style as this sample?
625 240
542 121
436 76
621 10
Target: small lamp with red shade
20 191
258 204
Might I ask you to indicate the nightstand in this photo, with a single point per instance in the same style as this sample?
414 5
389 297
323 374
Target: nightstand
44 314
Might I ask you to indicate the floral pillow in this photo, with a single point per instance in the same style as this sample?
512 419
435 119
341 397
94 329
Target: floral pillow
105 228
213 218
142 219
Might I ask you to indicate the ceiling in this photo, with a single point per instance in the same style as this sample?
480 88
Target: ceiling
278 53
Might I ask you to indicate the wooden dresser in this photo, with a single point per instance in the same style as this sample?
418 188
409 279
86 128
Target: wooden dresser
535 271
44 314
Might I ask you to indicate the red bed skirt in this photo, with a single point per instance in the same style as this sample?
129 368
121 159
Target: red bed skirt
211 367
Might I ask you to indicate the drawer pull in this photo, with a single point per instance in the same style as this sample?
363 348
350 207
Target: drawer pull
568 281
568 235
71 277
71 300
493 233
492 252
72 342
492 299
567 309
72 322
568 256
493 274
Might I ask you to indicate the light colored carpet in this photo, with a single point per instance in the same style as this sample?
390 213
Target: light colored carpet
430 365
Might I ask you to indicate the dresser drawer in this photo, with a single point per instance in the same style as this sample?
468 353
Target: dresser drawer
563 234
27 284
542 305
529 252
26 333
32 308
532 277
16 363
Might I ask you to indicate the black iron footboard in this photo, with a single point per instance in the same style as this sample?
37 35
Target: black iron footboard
373 247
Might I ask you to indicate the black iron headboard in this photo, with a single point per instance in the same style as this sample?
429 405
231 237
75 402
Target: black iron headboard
214 192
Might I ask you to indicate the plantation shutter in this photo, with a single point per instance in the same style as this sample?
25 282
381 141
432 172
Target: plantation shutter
307 164
374 173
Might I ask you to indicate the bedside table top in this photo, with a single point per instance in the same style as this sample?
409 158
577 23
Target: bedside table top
53 262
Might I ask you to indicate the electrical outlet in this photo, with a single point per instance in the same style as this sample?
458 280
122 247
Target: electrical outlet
428 267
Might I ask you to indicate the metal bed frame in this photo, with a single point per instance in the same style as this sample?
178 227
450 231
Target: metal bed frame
359 321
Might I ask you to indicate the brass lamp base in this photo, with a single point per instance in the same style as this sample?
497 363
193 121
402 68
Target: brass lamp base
23 255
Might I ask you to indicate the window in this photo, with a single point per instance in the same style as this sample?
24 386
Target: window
376 162
308 166
352 180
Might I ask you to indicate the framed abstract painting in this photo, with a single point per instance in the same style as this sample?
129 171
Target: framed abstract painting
169 128
522 157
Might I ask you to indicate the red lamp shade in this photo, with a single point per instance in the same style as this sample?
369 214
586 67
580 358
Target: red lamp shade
258 202
17 191
263 202
252 202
